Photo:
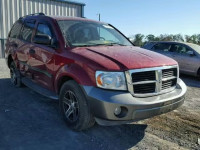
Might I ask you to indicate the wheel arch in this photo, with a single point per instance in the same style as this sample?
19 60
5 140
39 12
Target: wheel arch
73 72
61 81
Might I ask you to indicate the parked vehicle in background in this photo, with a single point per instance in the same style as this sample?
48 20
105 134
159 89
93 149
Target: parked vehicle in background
92 69
186 54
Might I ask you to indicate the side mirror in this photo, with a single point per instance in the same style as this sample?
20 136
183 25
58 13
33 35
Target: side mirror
191 53
42 39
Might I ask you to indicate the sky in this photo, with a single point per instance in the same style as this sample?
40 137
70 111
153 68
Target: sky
147 16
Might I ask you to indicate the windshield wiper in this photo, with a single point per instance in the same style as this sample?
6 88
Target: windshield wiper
104 44
108 44
84 45
111 44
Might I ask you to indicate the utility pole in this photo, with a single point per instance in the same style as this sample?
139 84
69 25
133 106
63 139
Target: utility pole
99 16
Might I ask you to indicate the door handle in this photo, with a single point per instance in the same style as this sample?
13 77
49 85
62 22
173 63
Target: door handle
32 51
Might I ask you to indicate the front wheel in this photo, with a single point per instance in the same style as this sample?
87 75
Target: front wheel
15 77
198 73
74 107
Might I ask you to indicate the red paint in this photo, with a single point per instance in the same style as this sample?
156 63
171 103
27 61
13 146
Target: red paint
79 63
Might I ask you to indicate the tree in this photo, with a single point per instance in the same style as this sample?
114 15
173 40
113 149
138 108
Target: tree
166 37
198 38
150 37
178 37
192 39
187 38
138 39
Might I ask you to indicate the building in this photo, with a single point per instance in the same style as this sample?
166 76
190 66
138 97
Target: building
11 10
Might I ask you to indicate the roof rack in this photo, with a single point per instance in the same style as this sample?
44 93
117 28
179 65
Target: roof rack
35 14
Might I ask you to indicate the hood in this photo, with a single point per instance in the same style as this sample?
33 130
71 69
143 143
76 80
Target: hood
123 57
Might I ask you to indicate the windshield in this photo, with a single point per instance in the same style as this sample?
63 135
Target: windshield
82 33
195 47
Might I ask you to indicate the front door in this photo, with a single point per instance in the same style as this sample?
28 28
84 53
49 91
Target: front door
187 63
162 48
42 58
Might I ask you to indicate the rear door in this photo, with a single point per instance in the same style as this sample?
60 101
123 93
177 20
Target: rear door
24 44
42 58
12 43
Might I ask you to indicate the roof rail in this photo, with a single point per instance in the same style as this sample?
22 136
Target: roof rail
35 14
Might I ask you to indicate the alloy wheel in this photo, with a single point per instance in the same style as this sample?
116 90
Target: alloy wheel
70 106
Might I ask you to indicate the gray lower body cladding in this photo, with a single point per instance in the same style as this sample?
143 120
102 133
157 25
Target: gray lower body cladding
103 104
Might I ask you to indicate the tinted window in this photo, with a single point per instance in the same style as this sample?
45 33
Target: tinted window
179 48
43 29
16 29
27 31
162 46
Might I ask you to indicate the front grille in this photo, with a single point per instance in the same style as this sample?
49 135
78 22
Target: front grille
153 80
143 76
144 88
168 84
169 72
140 77
170 78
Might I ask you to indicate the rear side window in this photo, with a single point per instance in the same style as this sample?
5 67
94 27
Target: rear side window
179 48
43 29
27 31
162 46
15 29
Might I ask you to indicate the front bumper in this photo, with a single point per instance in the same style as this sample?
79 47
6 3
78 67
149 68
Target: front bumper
104 102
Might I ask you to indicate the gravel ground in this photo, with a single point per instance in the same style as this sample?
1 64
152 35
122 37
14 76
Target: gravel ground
31 121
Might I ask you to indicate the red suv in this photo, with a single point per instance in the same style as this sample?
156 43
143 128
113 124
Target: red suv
94 71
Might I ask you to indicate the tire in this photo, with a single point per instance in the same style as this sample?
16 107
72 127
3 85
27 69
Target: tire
15 76
74 107
198 72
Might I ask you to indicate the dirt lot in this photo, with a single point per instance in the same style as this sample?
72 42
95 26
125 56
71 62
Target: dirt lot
31 121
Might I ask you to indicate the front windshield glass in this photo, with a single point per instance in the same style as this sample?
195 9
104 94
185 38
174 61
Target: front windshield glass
83 33
195 47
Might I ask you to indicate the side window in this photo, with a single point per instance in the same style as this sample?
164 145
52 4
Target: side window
181 49
15 29
27 31
162 46
43 29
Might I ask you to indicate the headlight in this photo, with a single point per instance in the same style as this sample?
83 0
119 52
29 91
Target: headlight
111 80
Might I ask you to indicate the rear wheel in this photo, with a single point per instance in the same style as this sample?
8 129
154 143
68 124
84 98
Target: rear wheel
15 77
74 107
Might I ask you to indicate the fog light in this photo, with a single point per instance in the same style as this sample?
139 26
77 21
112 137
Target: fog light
121 112
118 111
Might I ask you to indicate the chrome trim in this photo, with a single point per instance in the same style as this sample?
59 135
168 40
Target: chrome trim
129 81
168 78
159 80
144 82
